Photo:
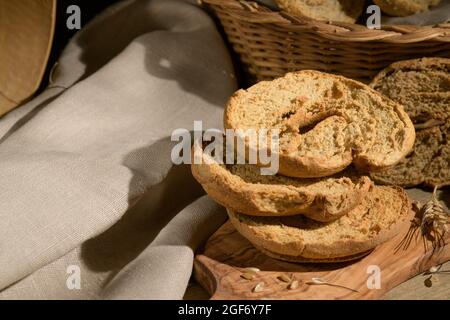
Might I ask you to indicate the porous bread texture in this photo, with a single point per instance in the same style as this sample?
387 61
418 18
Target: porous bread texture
325 10
241 187
402 8
429 163
378 218
423 87
424 106
326 122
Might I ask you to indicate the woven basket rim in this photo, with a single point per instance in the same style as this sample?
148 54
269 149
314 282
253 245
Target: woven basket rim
254 12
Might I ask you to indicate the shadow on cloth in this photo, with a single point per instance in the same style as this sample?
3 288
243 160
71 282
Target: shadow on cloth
149 211
180 54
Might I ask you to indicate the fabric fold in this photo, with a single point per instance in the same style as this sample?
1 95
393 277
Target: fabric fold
75 162
166 264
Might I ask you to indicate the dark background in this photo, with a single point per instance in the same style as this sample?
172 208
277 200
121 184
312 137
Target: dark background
89 9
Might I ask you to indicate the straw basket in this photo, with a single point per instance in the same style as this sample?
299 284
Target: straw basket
271 43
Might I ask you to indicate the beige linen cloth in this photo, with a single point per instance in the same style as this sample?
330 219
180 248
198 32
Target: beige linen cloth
86 178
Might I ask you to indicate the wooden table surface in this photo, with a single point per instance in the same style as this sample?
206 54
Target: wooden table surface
416 288
413 289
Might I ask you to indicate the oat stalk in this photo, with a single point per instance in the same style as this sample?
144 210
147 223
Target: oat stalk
431 221
436 270
434 222
320 281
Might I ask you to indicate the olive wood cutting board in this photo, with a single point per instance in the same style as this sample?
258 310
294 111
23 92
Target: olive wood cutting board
218 268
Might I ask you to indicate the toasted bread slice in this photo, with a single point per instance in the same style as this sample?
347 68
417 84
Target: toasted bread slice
423 87
241 187
325 10
379 217
326 122
300 259
429 163
403 8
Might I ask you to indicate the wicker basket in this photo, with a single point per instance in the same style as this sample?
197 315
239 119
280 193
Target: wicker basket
271 43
